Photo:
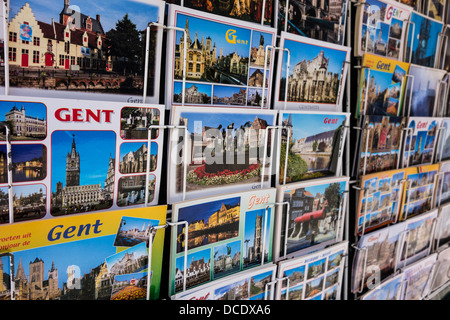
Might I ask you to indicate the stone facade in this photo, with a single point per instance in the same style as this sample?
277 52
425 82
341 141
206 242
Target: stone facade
23 125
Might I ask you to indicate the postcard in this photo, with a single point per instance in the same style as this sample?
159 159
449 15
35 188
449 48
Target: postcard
375 257
417 241
130 286
7 271
390 289
65 155
443 147
422 40
219 236
250 11
226 151
225 61
423 92
441 275
381 28
436 9
314 79
442 232
314 276
254 284
317 20
315 217
73 257
382 86
417 278
379 200
420 141
419 190
379 144
315 140
442 194
73 50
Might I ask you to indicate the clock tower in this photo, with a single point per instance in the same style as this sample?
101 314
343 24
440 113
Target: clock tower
73 166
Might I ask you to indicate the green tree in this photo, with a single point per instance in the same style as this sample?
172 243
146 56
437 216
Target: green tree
296 166
314 145
126 44
333 195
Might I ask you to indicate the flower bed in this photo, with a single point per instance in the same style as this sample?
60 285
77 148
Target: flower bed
130 293
200 177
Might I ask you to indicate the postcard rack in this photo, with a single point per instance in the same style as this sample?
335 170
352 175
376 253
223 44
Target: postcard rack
9 173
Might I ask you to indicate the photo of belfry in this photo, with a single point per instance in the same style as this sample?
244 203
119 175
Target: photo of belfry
315 73
88 181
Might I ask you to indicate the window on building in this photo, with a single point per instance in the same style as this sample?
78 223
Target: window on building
35 56
198 68
67 47
36 41
61 59
13 36
25 51
12 54
72 60
191 67
25 42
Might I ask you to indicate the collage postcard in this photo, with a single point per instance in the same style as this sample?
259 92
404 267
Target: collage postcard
381 28
255 284
228 62
110 256
77 156
218 236
317 276
382 86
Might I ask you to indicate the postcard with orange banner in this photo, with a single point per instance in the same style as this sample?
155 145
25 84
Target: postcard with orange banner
98 256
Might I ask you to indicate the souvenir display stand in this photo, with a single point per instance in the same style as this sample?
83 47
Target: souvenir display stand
225 150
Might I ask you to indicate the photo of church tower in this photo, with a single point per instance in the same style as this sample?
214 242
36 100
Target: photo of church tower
89 181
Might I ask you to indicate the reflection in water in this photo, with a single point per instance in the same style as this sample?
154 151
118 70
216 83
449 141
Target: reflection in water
27 175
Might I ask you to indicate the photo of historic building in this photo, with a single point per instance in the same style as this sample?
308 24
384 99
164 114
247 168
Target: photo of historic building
242 9
45 273
209 223
254 237
29 162
134 122
210 57
133 157
227 259
74 191
133 231
313 145
315 73
71 45
132 190
197 271
131 260
26 121
29 202
195 93
319 19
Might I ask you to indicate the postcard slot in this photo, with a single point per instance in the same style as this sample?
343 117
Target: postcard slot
265 231
399 196
368 132
286 227
9 174
340 92
342 205
443 44
288 283
265 69
11 273
437 105
147 51
186 231
272 284
149 263
409 76
436 180
441 143
365 250
409 133
5 44
266 134
185 156
287 152
412 39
